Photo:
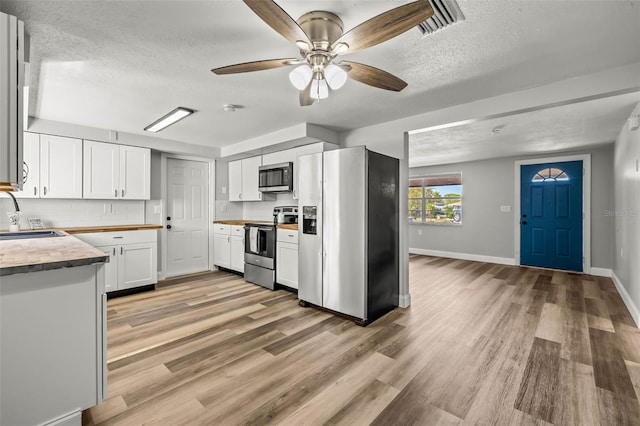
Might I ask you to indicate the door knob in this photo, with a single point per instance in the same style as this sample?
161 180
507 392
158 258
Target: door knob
523 223
168 226
524 215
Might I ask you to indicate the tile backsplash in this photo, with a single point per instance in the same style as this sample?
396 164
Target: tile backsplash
71 213
263 210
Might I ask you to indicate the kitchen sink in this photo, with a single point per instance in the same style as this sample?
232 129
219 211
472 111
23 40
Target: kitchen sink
29 234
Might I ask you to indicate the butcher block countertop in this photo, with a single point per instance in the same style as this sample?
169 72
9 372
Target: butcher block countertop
242 222
289 226
43 254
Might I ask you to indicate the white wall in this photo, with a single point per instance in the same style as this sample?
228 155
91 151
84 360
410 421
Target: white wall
626 216
487 232
72 213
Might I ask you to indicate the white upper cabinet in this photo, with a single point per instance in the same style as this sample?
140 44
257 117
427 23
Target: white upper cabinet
31 166
101 170
243 179
60 167
235 180
286 156
116 171
135 173
250 179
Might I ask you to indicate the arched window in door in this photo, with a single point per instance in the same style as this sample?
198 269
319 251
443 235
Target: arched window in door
550 175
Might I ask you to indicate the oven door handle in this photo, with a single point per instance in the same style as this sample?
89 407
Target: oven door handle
264 229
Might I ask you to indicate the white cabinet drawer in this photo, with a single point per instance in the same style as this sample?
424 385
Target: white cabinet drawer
287 236
237 230
98 239
221 228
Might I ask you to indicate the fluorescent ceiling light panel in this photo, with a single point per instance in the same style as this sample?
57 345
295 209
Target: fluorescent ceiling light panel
168 119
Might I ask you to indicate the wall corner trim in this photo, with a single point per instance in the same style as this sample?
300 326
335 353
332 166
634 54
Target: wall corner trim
404 300
631 306
464 256
601 272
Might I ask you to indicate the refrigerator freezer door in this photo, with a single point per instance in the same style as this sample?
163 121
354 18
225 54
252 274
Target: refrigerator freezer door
344 237
310 245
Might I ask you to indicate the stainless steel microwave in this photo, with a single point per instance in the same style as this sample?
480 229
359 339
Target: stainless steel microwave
276 177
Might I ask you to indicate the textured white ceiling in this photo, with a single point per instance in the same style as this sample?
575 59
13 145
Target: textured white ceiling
547 130
122 64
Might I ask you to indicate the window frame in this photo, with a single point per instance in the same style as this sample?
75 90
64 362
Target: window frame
424 199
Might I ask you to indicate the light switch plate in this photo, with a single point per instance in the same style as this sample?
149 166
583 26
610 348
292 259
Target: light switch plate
157 209
224 189
505 209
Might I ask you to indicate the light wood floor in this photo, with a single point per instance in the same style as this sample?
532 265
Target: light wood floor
481 344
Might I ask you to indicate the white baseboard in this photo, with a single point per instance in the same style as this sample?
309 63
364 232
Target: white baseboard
631 306
601 272
464 256
404 300
70 419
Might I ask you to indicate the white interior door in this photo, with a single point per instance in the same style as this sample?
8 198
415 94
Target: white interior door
187 206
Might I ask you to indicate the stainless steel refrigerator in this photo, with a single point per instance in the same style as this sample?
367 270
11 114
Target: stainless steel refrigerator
349 245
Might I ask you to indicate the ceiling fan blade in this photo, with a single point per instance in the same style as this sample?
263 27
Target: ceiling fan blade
278 19
386 26
305 96
253 66
374 76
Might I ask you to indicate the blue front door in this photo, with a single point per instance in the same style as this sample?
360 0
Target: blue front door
551 215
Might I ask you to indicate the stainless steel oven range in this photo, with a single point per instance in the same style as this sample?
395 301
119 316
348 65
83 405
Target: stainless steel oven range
259 254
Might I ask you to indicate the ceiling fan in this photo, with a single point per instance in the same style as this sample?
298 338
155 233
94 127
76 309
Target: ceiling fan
320 38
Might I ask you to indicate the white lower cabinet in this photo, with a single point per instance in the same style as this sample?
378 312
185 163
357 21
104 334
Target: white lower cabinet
222 250
133 258
228 246
287 258
237 251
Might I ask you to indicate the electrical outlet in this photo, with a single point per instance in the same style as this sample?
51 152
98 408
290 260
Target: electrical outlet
621 253
224 189
419 231
108 208
505 209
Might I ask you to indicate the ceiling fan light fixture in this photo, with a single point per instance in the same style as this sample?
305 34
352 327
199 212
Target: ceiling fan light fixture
300 77
336 77
303 45
340 48
319 89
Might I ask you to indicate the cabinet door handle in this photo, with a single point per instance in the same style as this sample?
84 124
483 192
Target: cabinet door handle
228 239
35 190
45 191
240 196
260 195
121 250
122 193
115 193
114 251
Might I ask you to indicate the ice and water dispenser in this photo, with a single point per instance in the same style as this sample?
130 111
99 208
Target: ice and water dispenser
309 220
